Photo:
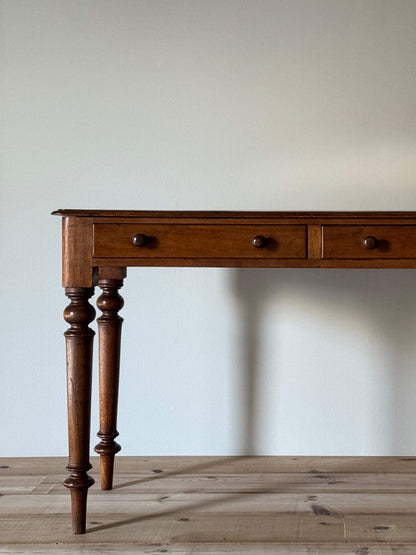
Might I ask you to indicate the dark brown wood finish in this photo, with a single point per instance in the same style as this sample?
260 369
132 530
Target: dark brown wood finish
77 244
369 241
100 244
110 280
79 341
199 241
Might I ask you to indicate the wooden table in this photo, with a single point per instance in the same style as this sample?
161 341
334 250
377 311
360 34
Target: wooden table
98 246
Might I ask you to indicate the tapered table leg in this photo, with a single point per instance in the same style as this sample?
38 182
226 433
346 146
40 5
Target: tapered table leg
79 342
109 335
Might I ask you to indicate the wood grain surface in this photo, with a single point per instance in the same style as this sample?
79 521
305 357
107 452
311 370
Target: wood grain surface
216 505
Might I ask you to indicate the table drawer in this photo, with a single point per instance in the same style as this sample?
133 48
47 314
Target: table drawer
199 241
368 241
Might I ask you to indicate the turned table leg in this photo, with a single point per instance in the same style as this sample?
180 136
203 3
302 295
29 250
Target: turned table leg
110 280
79 342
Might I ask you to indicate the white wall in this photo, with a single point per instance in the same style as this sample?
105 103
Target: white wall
226 104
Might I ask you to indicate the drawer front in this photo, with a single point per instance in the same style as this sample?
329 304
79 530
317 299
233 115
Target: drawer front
199 241
368 241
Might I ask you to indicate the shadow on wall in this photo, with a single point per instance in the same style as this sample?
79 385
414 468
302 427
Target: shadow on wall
380 304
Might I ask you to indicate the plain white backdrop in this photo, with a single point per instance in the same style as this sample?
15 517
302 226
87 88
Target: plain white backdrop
226 104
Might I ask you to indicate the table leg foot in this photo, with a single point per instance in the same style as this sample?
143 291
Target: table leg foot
79 502
107 465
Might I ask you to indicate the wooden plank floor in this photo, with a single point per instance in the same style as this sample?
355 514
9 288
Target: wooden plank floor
216 505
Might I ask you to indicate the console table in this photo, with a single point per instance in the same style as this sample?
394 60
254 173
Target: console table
98 246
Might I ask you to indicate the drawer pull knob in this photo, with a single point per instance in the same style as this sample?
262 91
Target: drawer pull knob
259 241
140 240
370 242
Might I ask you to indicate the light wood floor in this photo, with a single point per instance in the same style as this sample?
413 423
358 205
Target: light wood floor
216 505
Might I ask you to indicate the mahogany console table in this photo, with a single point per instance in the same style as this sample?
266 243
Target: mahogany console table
98 246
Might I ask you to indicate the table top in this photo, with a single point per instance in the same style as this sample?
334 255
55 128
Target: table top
234 214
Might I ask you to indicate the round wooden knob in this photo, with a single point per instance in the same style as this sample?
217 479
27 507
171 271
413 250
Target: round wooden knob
259 241
370 242
140 240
